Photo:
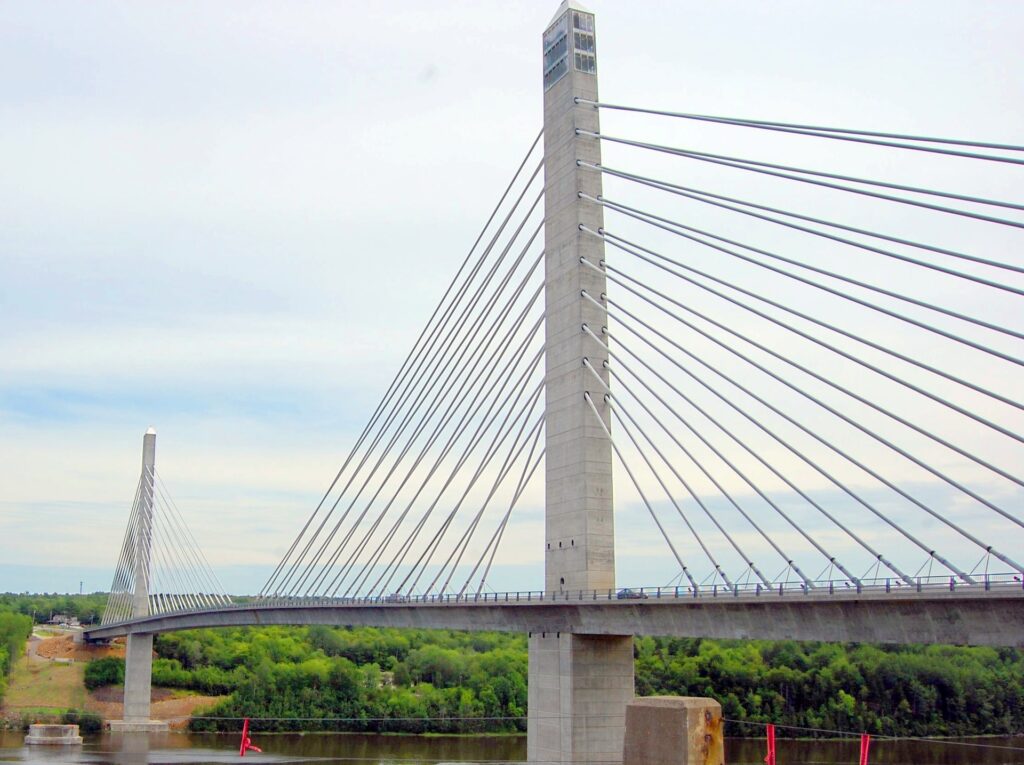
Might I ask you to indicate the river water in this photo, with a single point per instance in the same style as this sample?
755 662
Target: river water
367 749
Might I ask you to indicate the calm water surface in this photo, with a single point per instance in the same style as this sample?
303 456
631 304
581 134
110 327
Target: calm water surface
173 748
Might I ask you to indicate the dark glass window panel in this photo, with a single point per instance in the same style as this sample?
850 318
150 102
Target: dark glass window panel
556 73
556 51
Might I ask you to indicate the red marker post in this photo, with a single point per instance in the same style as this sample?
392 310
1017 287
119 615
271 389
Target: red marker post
865 744
247 741
770 757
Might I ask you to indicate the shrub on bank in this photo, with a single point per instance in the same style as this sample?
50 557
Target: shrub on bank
87 722
108 671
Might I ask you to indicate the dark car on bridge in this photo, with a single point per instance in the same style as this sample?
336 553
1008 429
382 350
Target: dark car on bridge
628 594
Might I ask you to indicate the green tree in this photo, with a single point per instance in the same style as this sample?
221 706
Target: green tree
106 671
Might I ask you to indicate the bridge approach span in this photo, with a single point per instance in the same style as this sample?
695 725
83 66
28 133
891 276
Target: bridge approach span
965 616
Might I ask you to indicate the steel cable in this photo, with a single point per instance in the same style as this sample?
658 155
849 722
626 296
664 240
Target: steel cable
761 426
451 363
485 372
643 497
762 168
666 224
486 419
419 568
768 405
196 551
495 541
717 423
496 394
797 389
709 198
818 341
460 547
757 489
411 359
839 134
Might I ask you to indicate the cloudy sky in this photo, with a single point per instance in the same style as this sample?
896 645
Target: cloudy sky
229 220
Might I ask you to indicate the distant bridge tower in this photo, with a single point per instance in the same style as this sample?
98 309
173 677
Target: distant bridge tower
138 665
578 684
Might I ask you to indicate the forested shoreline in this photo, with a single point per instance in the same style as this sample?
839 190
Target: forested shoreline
367 679
887 690
419 681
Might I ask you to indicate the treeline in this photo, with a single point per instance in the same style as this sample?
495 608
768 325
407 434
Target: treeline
14 631
86 608
413 681
892 690
322 678
19 612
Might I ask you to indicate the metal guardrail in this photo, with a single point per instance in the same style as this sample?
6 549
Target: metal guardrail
839 588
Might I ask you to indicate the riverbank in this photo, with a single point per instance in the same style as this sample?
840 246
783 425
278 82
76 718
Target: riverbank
48 680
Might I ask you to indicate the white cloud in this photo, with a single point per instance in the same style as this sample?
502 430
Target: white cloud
230 220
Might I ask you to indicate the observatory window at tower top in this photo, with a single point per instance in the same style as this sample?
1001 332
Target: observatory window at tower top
556 51
584 44
583 21
565 47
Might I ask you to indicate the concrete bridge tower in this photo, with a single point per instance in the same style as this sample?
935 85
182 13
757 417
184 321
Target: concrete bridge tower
138 664
579 685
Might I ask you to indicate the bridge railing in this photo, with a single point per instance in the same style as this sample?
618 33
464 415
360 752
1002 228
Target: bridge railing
839 588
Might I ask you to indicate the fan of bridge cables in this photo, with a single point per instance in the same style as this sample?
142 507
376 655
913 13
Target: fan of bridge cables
422 503
161 560
816 342
815 373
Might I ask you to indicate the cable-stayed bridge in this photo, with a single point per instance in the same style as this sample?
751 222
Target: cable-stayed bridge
804 378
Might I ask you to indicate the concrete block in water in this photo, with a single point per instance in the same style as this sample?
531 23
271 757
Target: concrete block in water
138 726
673 730
53 735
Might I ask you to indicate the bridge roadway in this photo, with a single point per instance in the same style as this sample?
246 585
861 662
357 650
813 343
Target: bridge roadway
964 615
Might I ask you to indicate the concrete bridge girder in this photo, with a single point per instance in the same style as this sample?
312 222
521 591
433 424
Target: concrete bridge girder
962 617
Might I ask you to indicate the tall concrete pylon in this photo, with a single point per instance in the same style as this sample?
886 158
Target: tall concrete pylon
579 685
144 535
138 659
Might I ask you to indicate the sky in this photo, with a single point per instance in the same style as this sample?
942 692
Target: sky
229 220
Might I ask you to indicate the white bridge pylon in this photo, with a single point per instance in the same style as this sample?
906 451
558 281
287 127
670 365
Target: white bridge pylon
161 568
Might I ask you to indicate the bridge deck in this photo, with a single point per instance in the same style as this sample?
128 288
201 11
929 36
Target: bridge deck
964 615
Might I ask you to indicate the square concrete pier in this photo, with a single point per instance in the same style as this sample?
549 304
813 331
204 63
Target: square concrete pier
138 726
53 735
673 730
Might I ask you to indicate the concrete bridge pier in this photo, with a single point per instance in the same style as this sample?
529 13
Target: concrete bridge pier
138 658
579 685
138 679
